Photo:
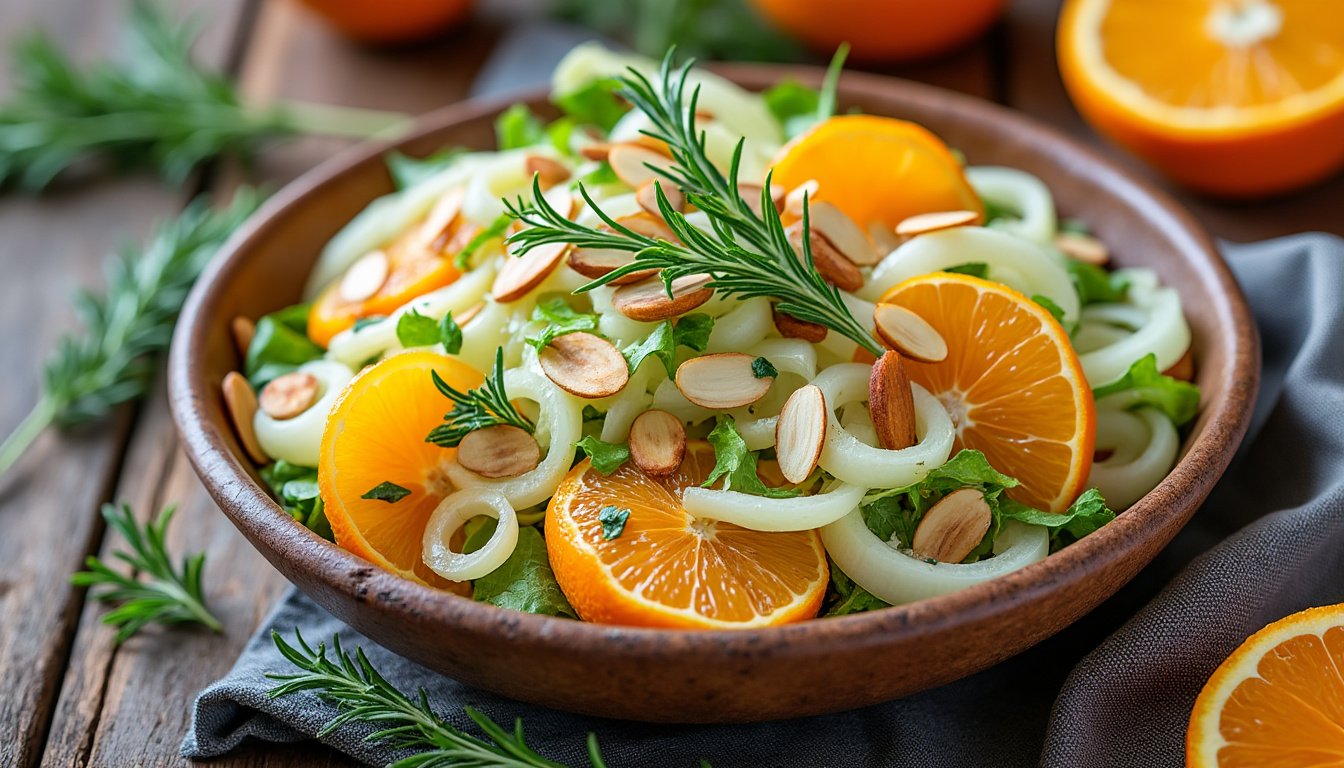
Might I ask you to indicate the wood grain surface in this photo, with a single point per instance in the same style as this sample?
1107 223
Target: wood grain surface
69 696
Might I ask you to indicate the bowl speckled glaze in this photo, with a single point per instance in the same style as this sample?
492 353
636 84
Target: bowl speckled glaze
720 676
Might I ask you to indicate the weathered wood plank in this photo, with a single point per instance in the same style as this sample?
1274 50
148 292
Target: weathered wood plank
1033 86
54 245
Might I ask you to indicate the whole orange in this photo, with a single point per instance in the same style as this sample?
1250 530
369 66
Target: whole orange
387 22
883 30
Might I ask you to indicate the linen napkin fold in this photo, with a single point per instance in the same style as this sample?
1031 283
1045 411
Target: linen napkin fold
1274 534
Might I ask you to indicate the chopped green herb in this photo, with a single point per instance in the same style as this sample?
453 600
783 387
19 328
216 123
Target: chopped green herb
1050 306
517 127
737 465
973 268
486 406
613 521
417 330
387 491
560 319
495 231
1144 385
365 322
450 334
594 104
763 369
606 457
279 346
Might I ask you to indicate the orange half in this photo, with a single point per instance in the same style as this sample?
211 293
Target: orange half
668 568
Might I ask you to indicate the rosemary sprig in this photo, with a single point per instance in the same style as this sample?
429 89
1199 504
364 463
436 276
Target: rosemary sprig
486 406
163 595
748 254
159 108
113 360
363 695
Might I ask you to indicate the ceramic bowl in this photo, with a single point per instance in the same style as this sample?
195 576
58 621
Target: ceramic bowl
724 676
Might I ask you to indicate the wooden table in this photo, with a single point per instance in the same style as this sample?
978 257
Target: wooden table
68 695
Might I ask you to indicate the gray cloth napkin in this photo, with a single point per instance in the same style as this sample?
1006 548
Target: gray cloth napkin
1113 690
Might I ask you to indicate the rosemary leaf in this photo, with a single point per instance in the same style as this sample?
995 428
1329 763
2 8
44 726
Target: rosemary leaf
486 406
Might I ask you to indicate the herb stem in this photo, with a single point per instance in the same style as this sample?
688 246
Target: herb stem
344 122
38 419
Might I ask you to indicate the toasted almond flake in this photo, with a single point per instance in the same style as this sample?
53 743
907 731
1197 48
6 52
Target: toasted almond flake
648 302
751 194
499 451
793 201
241 403
830 263
909 334
1183 369
243 331
585 365
597 262
364 277
953 527
549 171
1084 248
562 200
891 403
647 196
437 230
721 381
791 327
521 274
800 433
841 231
287 396
631 163
884 237
467 315
657 442
647 225
924 223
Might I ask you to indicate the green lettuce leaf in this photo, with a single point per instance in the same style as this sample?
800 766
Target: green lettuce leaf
296 489
525 582
1088 513
279 346
516 127
973 268
1094 284
607 457
736 465
1144 385
560 318
408 171
417 330
690 331
793 104
494 231
594 104
850 597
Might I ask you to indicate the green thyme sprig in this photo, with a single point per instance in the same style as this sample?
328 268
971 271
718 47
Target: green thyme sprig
486 406
113 360
160 594
747 255
158 108
364 696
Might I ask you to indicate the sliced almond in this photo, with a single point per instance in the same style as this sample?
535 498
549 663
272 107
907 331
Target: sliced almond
648 301
467 315
647 225
924 223
793 201
657 442
953 527
597 262
597 152
1183 369
288 396
563 201
884 237
585 365
1084 248
909 334
891 403
241 403
364 277
791 327
499 451
751 195
800 433
521 274
549 171
243 330
721 381
830 263
841 231
437 231
631 163
647 196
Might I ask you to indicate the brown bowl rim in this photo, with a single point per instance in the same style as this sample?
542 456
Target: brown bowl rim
1223 423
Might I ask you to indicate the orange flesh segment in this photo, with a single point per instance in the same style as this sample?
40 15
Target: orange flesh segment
1012 383
668 569
376 433
876 169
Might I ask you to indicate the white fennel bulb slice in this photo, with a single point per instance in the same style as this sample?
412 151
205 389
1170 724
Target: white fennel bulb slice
760 513
1164 333
451 514
299 440
1143 446
1021 193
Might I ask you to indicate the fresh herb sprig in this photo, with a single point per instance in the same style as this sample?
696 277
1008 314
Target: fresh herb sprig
162 594
112 361
486 406
748 254
364 696
158 108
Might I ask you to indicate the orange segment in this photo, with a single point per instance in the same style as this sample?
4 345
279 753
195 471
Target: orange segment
1278 700
876 169
1012 383
1246 99
669 569
376 433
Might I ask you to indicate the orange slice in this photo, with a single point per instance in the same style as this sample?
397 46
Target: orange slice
876 169
669 569
1246 98
375 434
1278 700
1012 383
